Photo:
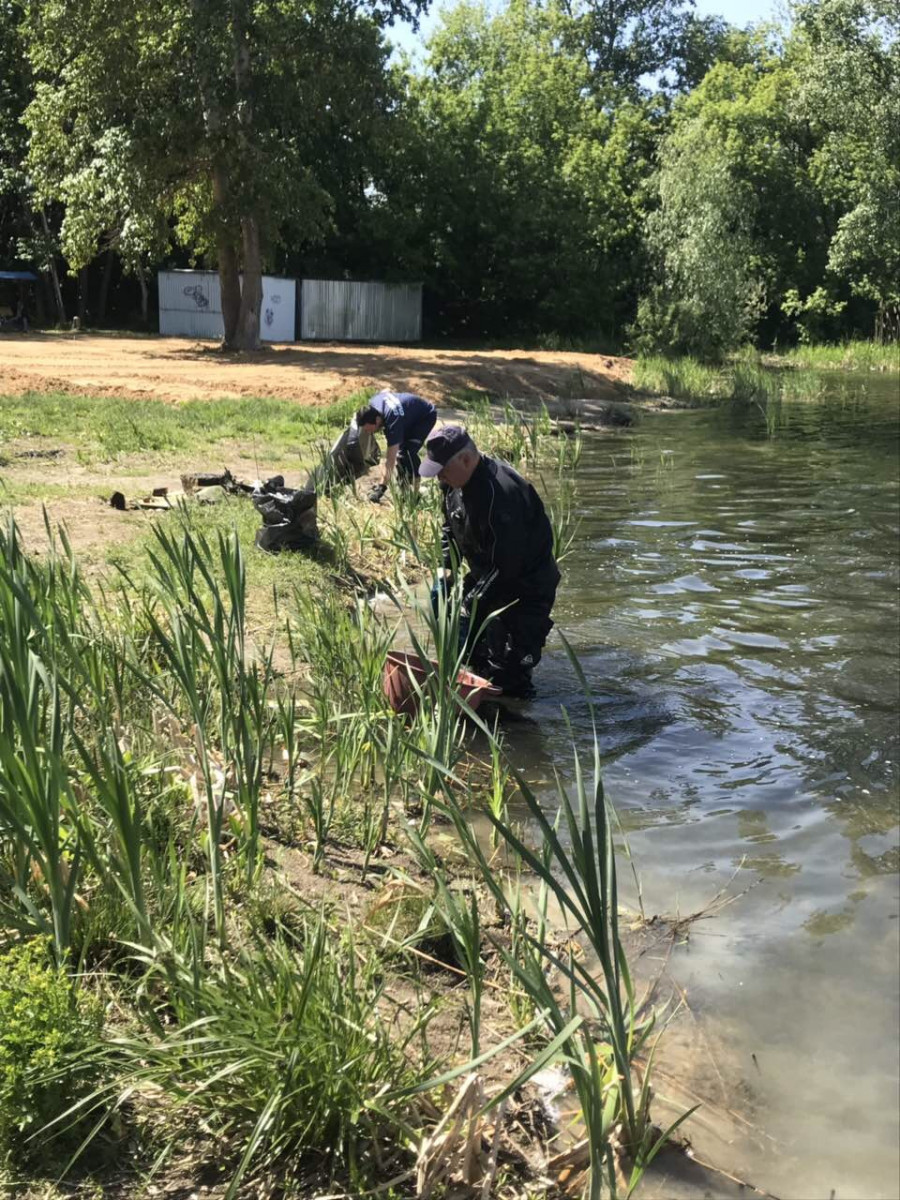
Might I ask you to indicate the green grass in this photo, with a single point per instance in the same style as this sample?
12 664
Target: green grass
748 376
681 378
268 575
849 356
106 429
28 491
743 378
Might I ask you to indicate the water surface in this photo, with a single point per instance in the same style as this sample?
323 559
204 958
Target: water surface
733 599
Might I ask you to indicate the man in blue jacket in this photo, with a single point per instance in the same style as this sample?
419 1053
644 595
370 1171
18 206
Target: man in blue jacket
495 520
407 420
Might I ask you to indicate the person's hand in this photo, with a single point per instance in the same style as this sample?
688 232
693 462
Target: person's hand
377 492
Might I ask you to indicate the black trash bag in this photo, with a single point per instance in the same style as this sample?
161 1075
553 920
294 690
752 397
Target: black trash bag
349 458
289 519
354 452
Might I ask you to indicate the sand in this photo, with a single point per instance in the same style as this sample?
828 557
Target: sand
176 369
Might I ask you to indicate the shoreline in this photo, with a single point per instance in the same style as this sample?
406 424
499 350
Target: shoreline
315 878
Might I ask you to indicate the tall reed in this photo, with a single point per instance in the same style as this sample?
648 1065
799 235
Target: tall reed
198 619
576 866
279 1048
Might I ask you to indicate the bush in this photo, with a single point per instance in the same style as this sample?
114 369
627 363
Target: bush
46 1026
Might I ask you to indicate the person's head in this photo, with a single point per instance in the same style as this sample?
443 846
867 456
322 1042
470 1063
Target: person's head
450 455
369 419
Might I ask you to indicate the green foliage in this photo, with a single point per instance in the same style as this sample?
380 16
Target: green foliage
14 95
849 77
250 1022
815 315
777 189
532 185
735 208
278 1050
47 1028
551 171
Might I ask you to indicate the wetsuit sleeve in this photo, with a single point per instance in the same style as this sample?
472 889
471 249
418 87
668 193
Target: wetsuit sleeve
506 530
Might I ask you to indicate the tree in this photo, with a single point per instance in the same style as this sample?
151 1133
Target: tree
526 200
708 297
741 228
24 233
849 92
13 98
202 119
627 42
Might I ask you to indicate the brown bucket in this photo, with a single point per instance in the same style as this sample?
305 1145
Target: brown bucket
401 668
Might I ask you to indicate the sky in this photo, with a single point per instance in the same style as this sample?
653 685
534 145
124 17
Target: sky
737 12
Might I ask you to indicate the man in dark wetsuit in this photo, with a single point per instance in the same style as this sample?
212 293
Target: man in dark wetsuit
495 520
407 420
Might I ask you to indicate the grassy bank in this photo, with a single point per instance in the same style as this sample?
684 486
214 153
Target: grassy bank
744 378
104 430
268 949
749 376
849 356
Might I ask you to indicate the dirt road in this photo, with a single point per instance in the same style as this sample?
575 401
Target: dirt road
309 373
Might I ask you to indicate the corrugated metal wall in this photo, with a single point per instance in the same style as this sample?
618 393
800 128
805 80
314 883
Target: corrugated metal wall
190 305
332 310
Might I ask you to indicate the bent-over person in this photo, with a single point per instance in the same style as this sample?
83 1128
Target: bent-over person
407 420
495 521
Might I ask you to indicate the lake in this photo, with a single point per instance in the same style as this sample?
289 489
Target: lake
733 598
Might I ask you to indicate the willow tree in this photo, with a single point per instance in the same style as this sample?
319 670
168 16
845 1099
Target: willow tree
202 120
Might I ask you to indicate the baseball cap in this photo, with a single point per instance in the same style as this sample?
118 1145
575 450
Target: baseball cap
440 447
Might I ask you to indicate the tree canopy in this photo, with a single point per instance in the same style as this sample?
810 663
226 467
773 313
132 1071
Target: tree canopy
619 170
206 122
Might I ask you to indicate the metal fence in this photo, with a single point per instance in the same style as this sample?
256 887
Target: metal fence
333 310
190 305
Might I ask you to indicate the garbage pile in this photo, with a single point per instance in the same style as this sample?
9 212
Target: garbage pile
206 487
288 514
349 458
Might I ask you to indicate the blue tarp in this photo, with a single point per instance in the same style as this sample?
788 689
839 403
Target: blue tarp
21 276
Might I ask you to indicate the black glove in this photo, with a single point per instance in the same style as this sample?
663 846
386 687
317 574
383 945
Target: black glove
377 492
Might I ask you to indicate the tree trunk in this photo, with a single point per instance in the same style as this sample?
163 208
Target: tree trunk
104 286
230 288
240 304
54 276
229 269
247 334
142 280
42 299
83 281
